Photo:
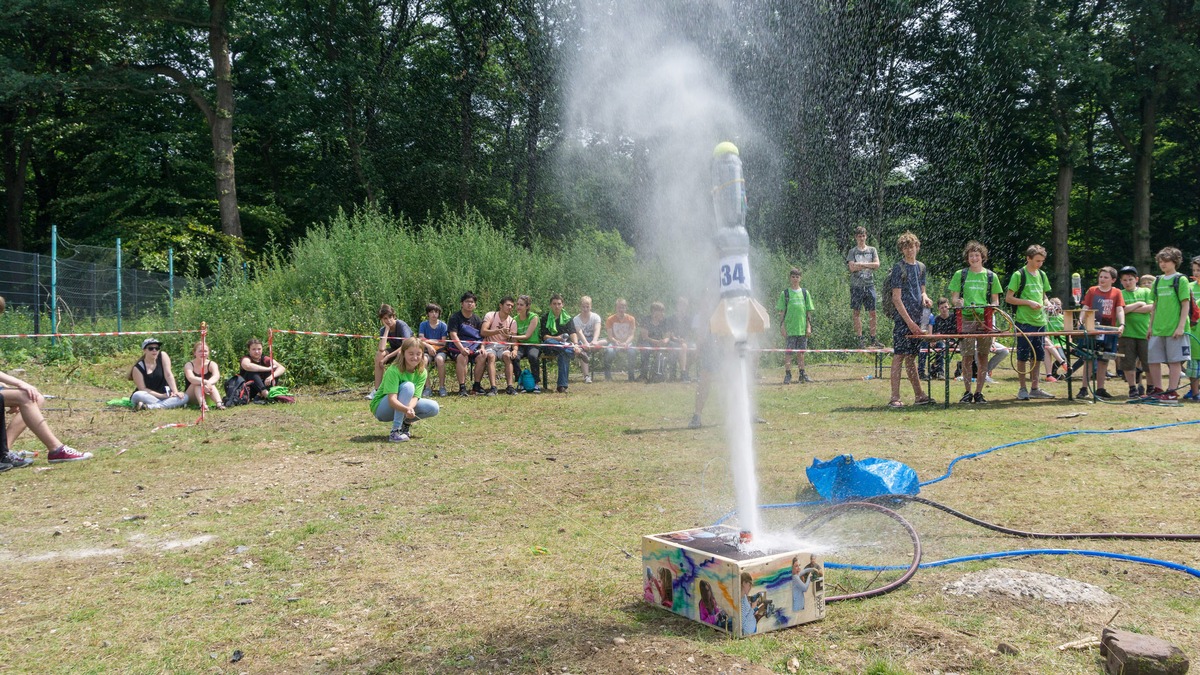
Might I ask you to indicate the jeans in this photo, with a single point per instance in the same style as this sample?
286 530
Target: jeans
610 357
563 355
425 408
531 354
152 402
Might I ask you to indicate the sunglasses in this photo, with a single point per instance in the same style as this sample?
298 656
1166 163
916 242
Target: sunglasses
153 348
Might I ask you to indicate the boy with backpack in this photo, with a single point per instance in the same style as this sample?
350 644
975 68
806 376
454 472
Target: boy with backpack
1027 291
905 296
795 308
1169 318
1133 342
971 289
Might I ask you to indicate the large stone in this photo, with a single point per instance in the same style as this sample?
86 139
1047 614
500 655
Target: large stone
1134 654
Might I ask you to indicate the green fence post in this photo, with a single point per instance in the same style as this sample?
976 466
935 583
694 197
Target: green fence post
220 268
53 282
118 284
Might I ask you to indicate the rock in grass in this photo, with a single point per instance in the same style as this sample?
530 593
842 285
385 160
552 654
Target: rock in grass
1128 653
1022 584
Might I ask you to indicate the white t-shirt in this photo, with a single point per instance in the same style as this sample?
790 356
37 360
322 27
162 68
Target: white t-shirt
586 328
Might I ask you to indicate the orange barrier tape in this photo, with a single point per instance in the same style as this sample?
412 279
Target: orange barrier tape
113 334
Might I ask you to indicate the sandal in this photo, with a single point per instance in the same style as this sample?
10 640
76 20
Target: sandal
895 403
924 400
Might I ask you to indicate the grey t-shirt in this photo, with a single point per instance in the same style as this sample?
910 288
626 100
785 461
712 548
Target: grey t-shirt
867 255
586 329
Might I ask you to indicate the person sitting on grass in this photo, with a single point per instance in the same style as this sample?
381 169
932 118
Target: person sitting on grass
24 398
397 400
433 334
527 336
202 386
1110 312
1027 291
557 331
154 383
972 289
622 331
907 281
586 325
261 372
795 307
655 338
1169 343
392 332
466 340
498 329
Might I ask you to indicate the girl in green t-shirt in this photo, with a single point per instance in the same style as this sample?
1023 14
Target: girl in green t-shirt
396 400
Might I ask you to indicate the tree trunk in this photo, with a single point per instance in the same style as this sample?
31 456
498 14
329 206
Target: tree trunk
534 122
16 164
1143 166
1062 211
221 121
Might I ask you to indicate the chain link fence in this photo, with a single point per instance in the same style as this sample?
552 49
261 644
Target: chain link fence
86 285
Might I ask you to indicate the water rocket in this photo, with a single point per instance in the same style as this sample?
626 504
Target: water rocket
738 314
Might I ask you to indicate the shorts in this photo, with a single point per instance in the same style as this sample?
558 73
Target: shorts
710 359
471 347
1193 369
1101 344
1167 349
797 342
902 344
1133 351
1030 349
969 347
862 297
496 348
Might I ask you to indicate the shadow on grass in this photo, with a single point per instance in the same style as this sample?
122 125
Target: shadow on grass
371 438
586 644
940 405
656 430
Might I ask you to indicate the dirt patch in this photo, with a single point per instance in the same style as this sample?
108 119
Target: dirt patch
646 654
1023 584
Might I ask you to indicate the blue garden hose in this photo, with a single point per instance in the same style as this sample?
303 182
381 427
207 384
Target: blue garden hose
1014 554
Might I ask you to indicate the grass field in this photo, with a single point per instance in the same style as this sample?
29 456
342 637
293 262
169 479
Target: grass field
497 539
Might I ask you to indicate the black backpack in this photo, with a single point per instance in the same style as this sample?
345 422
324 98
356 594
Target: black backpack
237 391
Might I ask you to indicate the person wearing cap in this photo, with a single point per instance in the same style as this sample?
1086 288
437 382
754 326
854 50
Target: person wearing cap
1133 343
154 380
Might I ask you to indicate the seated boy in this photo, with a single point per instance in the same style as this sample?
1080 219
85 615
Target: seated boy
655 338
466 340
433 332
622 331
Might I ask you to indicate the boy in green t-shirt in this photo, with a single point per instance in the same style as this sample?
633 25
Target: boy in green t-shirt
795 308
1193 366
1168 322
972 289
1027 291
1133 342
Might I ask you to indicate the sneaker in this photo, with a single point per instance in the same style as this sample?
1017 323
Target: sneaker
1190 396
1040 393
1166 397
1023 394
958 378
862 342
988 379
560 390
1151 392
536 389
1133 393
16 460
139 406
5 466
67 454
477 389
695 423
442 392
787 377
804 378
1103 393
462 391
490 392
1141 390
875 343
371 395
427 393
397 436
979 398
967 397
587 379
509 390
1051 379
1083 393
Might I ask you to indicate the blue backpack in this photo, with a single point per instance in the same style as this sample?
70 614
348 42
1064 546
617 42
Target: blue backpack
527 381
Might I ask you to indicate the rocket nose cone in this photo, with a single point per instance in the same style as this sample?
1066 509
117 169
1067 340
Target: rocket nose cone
724 148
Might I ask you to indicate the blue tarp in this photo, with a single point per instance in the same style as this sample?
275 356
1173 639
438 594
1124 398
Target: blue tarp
842 478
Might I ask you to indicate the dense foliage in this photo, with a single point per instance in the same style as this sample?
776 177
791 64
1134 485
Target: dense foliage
1074 123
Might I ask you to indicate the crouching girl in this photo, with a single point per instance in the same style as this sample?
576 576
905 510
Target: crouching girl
397 400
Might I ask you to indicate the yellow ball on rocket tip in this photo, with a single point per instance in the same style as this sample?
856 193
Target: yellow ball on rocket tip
724 148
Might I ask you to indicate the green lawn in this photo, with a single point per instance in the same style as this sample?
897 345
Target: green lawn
496 539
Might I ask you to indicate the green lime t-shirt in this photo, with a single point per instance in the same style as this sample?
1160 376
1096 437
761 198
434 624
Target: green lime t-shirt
390 384
1167 302
795 305
1037 286
1137 324
976 293
523 326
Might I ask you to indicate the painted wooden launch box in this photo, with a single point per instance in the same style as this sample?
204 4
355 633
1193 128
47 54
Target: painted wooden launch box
702 575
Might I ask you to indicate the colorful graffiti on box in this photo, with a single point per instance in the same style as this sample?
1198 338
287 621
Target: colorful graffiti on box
739 596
